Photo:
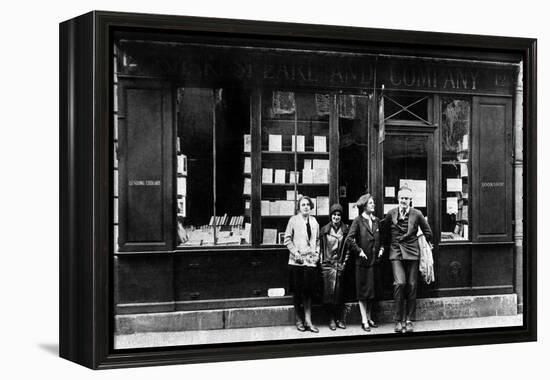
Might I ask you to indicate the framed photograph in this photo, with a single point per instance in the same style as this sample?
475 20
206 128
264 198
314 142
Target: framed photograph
171 253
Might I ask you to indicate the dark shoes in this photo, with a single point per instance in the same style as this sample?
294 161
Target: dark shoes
409 327
372 323
300 326
398 327
311 328
332 325
365 327
341 324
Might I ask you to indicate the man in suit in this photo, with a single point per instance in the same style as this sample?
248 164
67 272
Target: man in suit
399 231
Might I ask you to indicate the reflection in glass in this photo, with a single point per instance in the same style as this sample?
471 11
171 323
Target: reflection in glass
455 169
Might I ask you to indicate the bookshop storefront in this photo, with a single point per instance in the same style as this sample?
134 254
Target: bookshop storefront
213 145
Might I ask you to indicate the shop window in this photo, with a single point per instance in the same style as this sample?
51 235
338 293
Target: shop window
455 169
213 174
294 159
353 162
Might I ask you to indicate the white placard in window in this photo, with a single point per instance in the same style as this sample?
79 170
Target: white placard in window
389 191
464 170
267 175
454 184
320 164
247 165
275 143
353 211
307 176
247 143
418 188
322 205
300 142
247 187
319 143
280 175
452 205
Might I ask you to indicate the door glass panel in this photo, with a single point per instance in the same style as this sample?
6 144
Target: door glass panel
405 163
455 152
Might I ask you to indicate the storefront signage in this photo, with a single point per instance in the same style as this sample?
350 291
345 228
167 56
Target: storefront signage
134 182
218 66
492 184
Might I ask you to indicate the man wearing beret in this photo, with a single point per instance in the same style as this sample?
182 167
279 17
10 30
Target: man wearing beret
399 231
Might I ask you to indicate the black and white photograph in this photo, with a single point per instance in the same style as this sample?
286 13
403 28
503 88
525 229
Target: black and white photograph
274 190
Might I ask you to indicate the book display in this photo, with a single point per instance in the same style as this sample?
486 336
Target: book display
455 170
214 170
294 158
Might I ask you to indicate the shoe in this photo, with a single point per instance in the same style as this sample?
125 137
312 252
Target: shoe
300 326
398 327
341 324
332 325
365 327
372 323
311 328
409 327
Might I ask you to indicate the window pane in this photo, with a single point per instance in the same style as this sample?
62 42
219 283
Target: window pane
233 167
353 155
295 158
405 164
455 170
195 119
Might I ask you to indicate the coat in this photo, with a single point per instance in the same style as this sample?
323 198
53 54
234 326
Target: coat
332 266
361 236
404 246
299 245
325 257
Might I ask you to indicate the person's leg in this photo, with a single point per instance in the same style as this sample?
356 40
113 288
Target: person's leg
399 281
298 315
412 277
332 316
370 306
307 314
363 310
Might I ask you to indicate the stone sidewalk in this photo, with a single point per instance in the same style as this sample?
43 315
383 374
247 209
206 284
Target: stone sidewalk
159 339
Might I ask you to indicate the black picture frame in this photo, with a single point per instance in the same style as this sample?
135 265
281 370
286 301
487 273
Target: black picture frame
86 276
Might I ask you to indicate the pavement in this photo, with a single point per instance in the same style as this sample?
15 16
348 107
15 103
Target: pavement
164 339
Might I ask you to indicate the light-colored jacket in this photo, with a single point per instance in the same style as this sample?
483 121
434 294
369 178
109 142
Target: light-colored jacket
299 245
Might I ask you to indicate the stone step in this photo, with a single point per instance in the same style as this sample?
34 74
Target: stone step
427 309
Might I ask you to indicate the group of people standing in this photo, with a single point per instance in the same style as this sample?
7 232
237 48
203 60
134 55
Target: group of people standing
333 245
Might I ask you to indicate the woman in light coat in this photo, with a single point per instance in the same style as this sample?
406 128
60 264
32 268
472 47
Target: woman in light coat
302 240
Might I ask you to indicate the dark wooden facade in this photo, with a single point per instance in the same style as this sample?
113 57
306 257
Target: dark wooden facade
152 274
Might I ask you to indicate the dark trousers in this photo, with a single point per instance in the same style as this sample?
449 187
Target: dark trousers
405 274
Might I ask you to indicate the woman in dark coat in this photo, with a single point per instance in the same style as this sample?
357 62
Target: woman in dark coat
333 259
364 244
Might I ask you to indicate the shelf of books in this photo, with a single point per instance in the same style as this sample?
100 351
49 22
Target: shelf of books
294 159
455 191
